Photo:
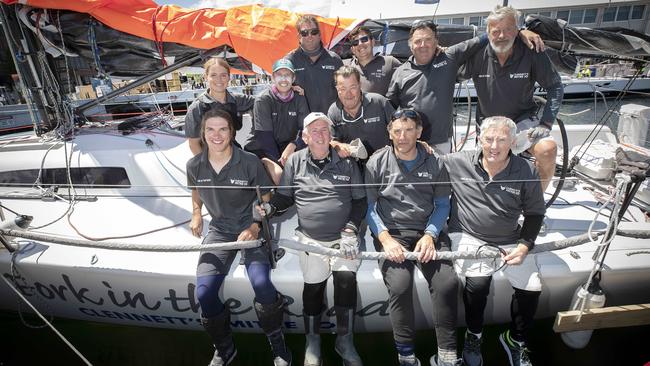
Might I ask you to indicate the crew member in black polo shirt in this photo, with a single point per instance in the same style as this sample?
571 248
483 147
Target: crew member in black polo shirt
314 65
330 211
358 115
278 116
426 81
221 164
504 74
491 189
408 204
375 70
217 74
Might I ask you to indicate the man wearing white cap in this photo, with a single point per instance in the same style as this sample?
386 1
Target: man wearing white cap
330 209
278 115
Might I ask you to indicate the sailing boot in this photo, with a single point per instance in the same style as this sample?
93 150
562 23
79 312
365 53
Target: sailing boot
312 340
218 327
270 317
344 344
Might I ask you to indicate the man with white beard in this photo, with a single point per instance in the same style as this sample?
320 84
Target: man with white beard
504 74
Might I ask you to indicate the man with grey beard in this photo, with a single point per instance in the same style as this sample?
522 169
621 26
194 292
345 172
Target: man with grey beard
504 74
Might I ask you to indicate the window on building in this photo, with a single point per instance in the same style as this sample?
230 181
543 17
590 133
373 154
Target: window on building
545 13
637 12
563 14
94 177
623 13
443 21
478 21
610 14
590 15
459 21
575 16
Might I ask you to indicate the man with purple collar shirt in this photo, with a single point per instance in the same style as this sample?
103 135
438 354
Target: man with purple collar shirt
314 65
426 81
492 188
278 114
504 74
375 70
408 203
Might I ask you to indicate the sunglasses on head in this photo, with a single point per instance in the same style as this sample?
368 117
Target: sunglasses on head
307 32
364 39
408 113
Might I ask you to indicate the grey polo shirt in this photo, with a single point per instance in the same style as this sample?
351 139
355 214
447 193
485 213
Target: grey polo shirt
323 201
230 208
429 89
376 75
508 90
284 119
489 209
401 205
236 105
316 78
370 128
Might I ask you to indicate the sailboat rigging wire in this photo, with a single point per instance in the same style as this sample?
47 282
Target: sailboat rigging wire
605 117
65 340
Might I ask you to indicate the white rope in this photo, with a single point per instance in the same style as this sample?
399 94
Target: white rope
47 322
291 244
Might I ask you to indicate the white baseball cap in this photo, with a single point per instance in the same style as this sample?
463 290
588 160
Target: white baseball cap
315 116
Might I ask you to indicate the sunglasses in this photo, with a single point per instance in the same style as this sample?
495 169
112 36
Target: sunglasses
364 39
408 113
307 32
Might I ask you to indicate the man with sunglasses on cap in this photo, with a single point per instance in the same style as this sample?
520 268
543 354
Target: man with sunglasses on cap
375 70
408 205
314 65
358 117
426 81
330 209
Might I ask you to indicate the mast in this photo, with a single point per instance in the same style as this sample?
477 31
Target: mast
21 45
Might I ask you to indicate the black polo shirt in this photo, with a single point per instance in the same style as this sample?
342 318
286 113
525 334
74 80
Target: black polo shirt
508 90
429 89
316 78
370 127
376 75
401 205
236 105
489 209
323 200
230 208
284 119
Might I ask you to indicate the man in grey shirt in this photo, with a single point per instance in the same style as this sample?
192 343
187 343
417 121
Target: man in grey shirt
358 115
314 65
491 189
330 211
375 70
504 74
425 82
408 205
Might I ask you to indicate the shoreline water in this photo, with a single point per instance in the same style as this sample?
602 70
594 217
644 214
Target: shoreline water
107 344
